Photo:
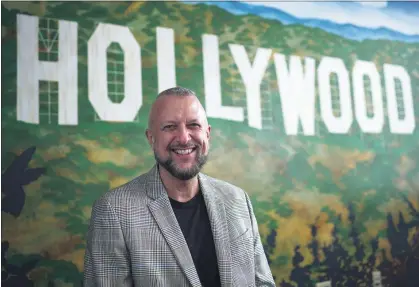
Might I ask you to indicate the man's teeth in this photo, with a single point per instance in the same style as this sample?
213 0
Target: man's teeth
183 151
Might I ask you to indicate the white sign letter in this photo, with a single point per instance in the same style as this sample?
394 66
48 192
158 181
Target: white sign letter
367 124
166 64
297 93
342 124
104 35
30 71
252 77
212 80
399 124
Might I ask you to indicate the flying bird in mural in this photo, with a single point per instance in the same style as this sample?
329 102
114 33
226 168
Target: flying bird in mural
14 178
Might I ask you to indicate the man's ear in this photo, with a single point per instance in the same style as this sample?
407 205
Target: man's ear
209 132
150 137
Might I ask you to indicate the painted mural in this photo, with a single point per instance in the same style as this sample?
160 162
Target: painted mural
313 108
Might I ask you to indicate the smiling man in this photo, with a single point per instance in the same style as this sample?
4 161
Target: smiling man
175 226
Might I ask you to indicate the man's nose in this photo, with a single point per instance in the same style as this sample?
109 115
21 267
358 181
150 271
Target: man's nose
183 135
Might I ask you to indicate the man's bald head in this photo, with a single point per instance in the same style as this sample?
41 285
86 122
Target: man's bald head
172 92
177 91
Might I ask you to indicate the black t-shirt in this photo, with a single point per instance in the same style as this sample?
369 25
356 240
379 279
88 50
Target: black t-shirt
194 222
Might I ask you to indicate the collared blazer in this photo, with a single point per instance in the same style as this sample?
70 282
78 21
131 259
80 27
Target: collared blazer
134 238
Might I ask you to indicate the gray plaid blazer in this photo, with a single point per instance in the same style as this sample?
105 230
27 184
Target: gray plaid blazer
134 238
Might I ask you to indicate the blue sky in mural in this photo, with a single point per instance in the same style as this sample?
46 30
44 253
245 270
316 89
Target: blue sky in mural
352 20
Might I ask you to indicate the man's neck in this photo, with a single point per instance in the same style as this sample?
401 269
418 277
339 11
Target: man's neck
179 190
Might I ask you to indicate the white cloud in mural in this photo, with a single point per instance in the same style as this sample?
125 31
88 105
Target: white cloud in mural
366 14
378 4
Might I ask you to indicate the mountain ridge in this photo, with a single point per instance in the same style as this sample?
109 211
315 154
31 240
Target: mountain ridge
349 31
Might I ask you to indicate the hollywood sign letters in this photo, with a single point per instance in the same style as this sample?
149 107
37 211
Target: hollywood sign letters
296 79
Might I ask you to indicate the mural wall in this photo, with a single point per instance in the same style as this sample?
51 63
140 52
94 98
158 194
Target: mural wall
313 108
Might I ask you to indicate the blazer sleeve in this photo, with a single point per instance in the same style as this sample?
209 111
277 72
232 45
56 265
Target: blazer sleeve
106 261
263 274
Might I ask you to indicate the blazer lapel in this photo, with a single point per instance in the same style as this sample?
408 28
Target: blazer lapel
162 212
217 217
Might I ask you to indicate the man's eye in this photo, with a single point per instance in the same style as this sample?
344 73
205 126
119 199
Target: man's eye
194 125
169 127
